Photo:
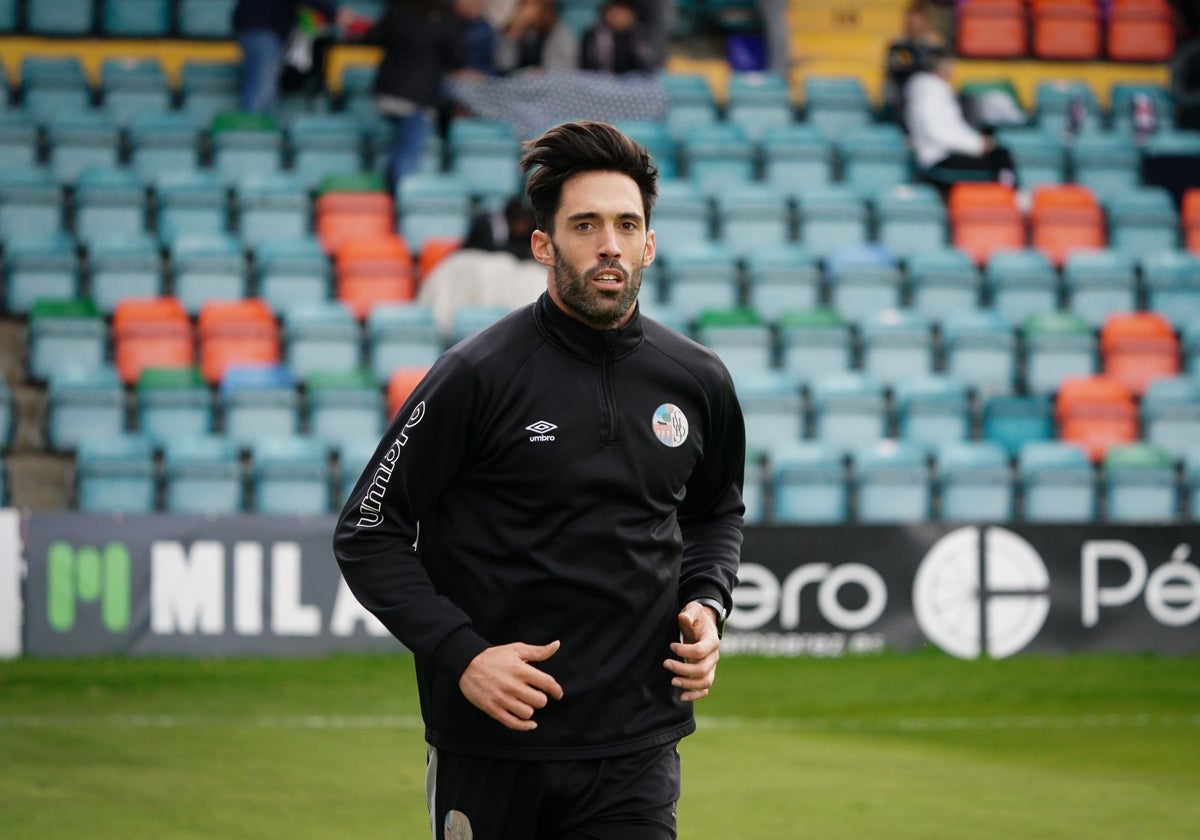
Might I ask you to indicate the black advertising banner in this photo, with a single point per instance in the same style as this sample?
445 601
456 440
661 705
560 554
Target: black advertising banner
263 585
187 585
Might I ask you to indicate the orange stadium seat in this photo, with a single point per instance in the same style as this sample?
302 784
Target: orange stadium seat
372 270
1140 30
343 215
433 250
984 217
1137 347
992 29
1190 218
1096 412
400 384
236 332
1065 218
151 332
1065 30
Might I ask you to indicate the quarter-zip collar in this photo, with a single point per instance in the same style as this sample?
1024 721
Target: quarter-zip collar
578 339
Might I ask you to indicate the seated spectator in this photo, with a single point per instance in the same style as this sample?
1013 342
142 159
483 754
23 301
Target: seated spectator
617 43
908 54
506 228
946 147
538 39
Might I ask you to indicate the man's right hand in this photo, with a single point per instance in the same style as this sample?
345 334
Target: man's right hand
501 682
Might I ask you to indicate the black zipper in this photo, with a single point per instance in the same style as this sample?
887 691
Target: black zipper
607 391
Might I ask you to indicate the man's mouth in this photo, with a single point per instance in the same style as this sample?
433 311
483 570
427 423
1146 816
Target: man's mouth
608 277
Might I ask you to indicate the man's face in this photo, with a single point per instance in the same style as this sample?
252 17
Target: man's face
599 248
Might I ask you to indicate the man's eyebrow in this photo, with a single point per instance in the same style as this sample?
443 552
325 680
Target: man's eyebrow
595 214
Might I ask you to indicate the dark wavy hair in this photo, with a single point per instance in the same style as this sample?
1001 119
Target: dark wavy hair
573 148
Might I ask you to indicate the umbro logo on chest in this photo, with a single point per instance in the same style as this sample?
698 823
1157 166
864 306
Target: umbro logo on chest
541 431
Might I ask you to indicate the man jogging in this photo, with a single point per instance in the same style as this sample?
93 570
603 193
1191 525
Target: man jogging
552 525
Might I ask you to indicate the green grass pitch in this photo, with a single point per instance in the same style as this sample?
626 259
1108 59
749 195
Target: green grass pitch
915 746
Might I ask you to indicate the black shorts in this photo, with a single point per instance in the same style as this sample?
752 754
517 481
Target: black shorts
627 797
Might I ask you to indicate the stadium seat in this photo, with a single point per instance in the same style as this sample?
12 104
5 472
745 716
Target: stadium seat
992 29
235 332
1013 420
848 408
151 332
109 204
19 138
782 278
1171 280
751 216
1065 30
716 156
1098 283
974 482
400 335
1137 348
1066 106
1170 414
943 281
832 217
323 336
1190 218
809 483
690 101
61 18
1065 218
1142 220
352 459
1057 482
31 203
324 144
656 138
257 401
291 475
753 488
129 87
245 144
64 334
739 336
1191 481
136 18
910 219
835 105
758 101
162 145
1140 484
1140 30
931 409
344 406
115 474
202 473
875 156
344 214
372 270
192 204
772 406
82 402
984 218
292 273
272 207
52 85
208 267
40 266
1040 155
814 342
699 276
1020 283
433 204
1096 412
1106 163
1057 345
892 482
682 214
1126 98
484 153
207 88
797 153
173 402
79 140
400 384
896 344
864 279
469 320
979 349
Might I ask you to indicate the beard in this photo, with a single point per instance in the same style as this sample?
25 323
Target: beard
597 308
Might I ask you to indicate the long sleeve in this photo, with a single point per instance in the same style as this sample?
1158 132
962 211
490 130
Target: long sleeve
935 121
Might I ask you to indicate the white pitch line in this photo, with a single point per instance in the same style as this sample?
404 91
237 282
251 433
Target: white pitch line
414 723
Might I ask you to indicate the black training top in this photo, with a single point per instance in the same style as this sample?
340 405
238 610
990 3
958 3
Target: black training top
572 484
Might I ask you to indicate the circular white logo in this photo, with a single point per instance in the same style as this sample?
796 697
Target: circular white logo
670 425
981 591
458 827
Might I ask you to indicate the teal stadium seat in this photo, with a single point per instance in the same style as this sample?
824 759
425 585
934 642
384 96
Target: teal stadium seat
690 101
205 18
979 349
1142 221
400 335
173 402
1013 420
796 154
863 278
809 483
116 474
345 406
896 345
1171 280
123 266
717 156
740 336
485 153
836 105
82 402
1020 282
325 144
848 408
129 87
64 334
202 474
781 278
245 145
322 336
875 156
682 215
81 140
1100 282
1058 102
292 273
752 216
831 217
1108 164
163 146
699 276
271 207
434 204
1170 414
910 219
773 408
1040 155
60 18
1057 345
814 342
974 482
656 138
892 482
53 85
135 18
206 88
931 410
31 204
19 135
1140 484
43 266
291 476
109 203
758 101
469 320
1057 482
258 401
207 266
193 203
943 281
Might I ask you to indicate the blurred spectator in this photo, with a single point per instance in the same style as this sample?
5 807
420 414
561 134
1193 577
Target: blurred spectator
261 28
908 54
478 35
778 35
506 228
537 38
658 19
617 42
947 148
421 45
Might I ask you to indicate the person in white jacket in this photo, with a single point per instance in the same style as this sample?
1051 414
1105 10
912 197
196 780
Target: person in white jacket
946 146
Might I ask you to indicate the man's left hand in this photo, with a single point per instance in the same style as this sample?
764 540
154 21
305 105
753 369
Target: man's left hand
698 652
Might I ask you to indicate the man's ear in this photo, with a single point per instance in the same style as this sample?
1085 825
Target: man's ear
543 247
649 252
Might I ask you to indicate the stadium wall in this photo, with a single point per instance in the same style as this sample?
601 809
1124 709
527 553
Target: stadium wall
254 585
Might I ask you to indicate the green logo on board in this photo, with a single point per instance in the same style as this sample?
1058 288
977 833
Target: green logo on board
91 575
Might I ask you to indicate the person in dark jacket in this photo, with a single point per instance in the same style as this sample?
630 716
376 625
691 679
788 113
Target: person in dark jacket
261 28
553 523
422 44
617 43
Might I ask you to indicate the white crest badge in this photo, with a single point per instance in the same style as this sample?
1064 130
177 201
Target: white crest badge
670 425
458 827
